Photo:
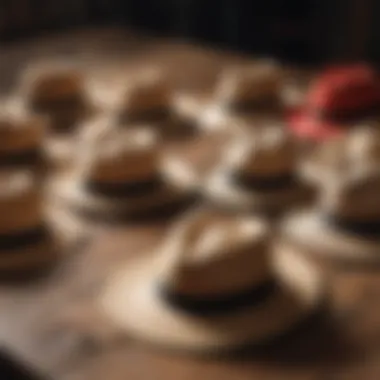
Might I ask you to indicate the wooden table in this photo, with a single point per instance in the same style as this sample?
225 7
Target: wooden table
54 325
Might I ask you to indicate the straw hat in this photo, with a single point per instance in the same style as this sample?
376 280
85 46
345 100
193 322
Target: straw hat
64 150
345 222
212 286
244 90
360 146
59 91
120 177
148 99
259 171
22 135
254 87
26 242
338 98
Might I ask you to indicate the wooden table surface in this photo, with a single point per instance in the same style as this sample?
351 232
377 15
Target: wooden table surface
54 325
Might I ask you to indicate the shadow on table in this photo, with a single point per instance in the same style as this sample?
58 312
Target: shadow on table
12 368
319 341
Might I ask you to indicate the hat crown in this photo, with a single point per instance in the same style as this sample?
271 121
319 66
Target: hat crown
132 155
21 202
128 145
354 195
364 144
15 118
149 90
59 78
268 152
254 82
55 80
356 151
211 254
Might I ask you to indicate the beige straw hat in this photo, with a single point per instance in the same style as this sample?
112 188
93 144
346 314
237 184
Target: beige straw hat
256 86
259 171
213 286
361 145
29 240
242 90
148 99
345 222
57 90
22 136
118 177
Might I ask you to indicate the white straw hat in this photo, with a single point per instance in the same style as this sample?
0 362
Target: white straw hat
254 89
345 222
259 171
59 91
149 99
32 234
22 136
360 146
121 178
213 285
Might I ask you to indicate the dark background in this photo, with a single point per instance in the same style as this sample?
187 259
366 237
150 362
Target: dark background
302 31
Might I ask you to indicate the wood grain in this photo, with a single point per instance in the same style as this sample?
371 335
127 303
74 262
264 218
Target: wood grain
54 325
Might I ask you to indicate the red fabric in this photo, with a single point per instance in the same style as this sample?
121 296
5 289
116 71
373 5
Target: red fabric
345 88
307 127
351 87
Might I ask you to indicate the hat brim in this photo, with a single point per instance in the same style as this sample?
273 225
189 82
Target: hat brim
212 117
62 237
202 110
182 173
70 191
67 229
174 128
307 127
316 173
188 165
60 151
220 190
308 230
132 301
